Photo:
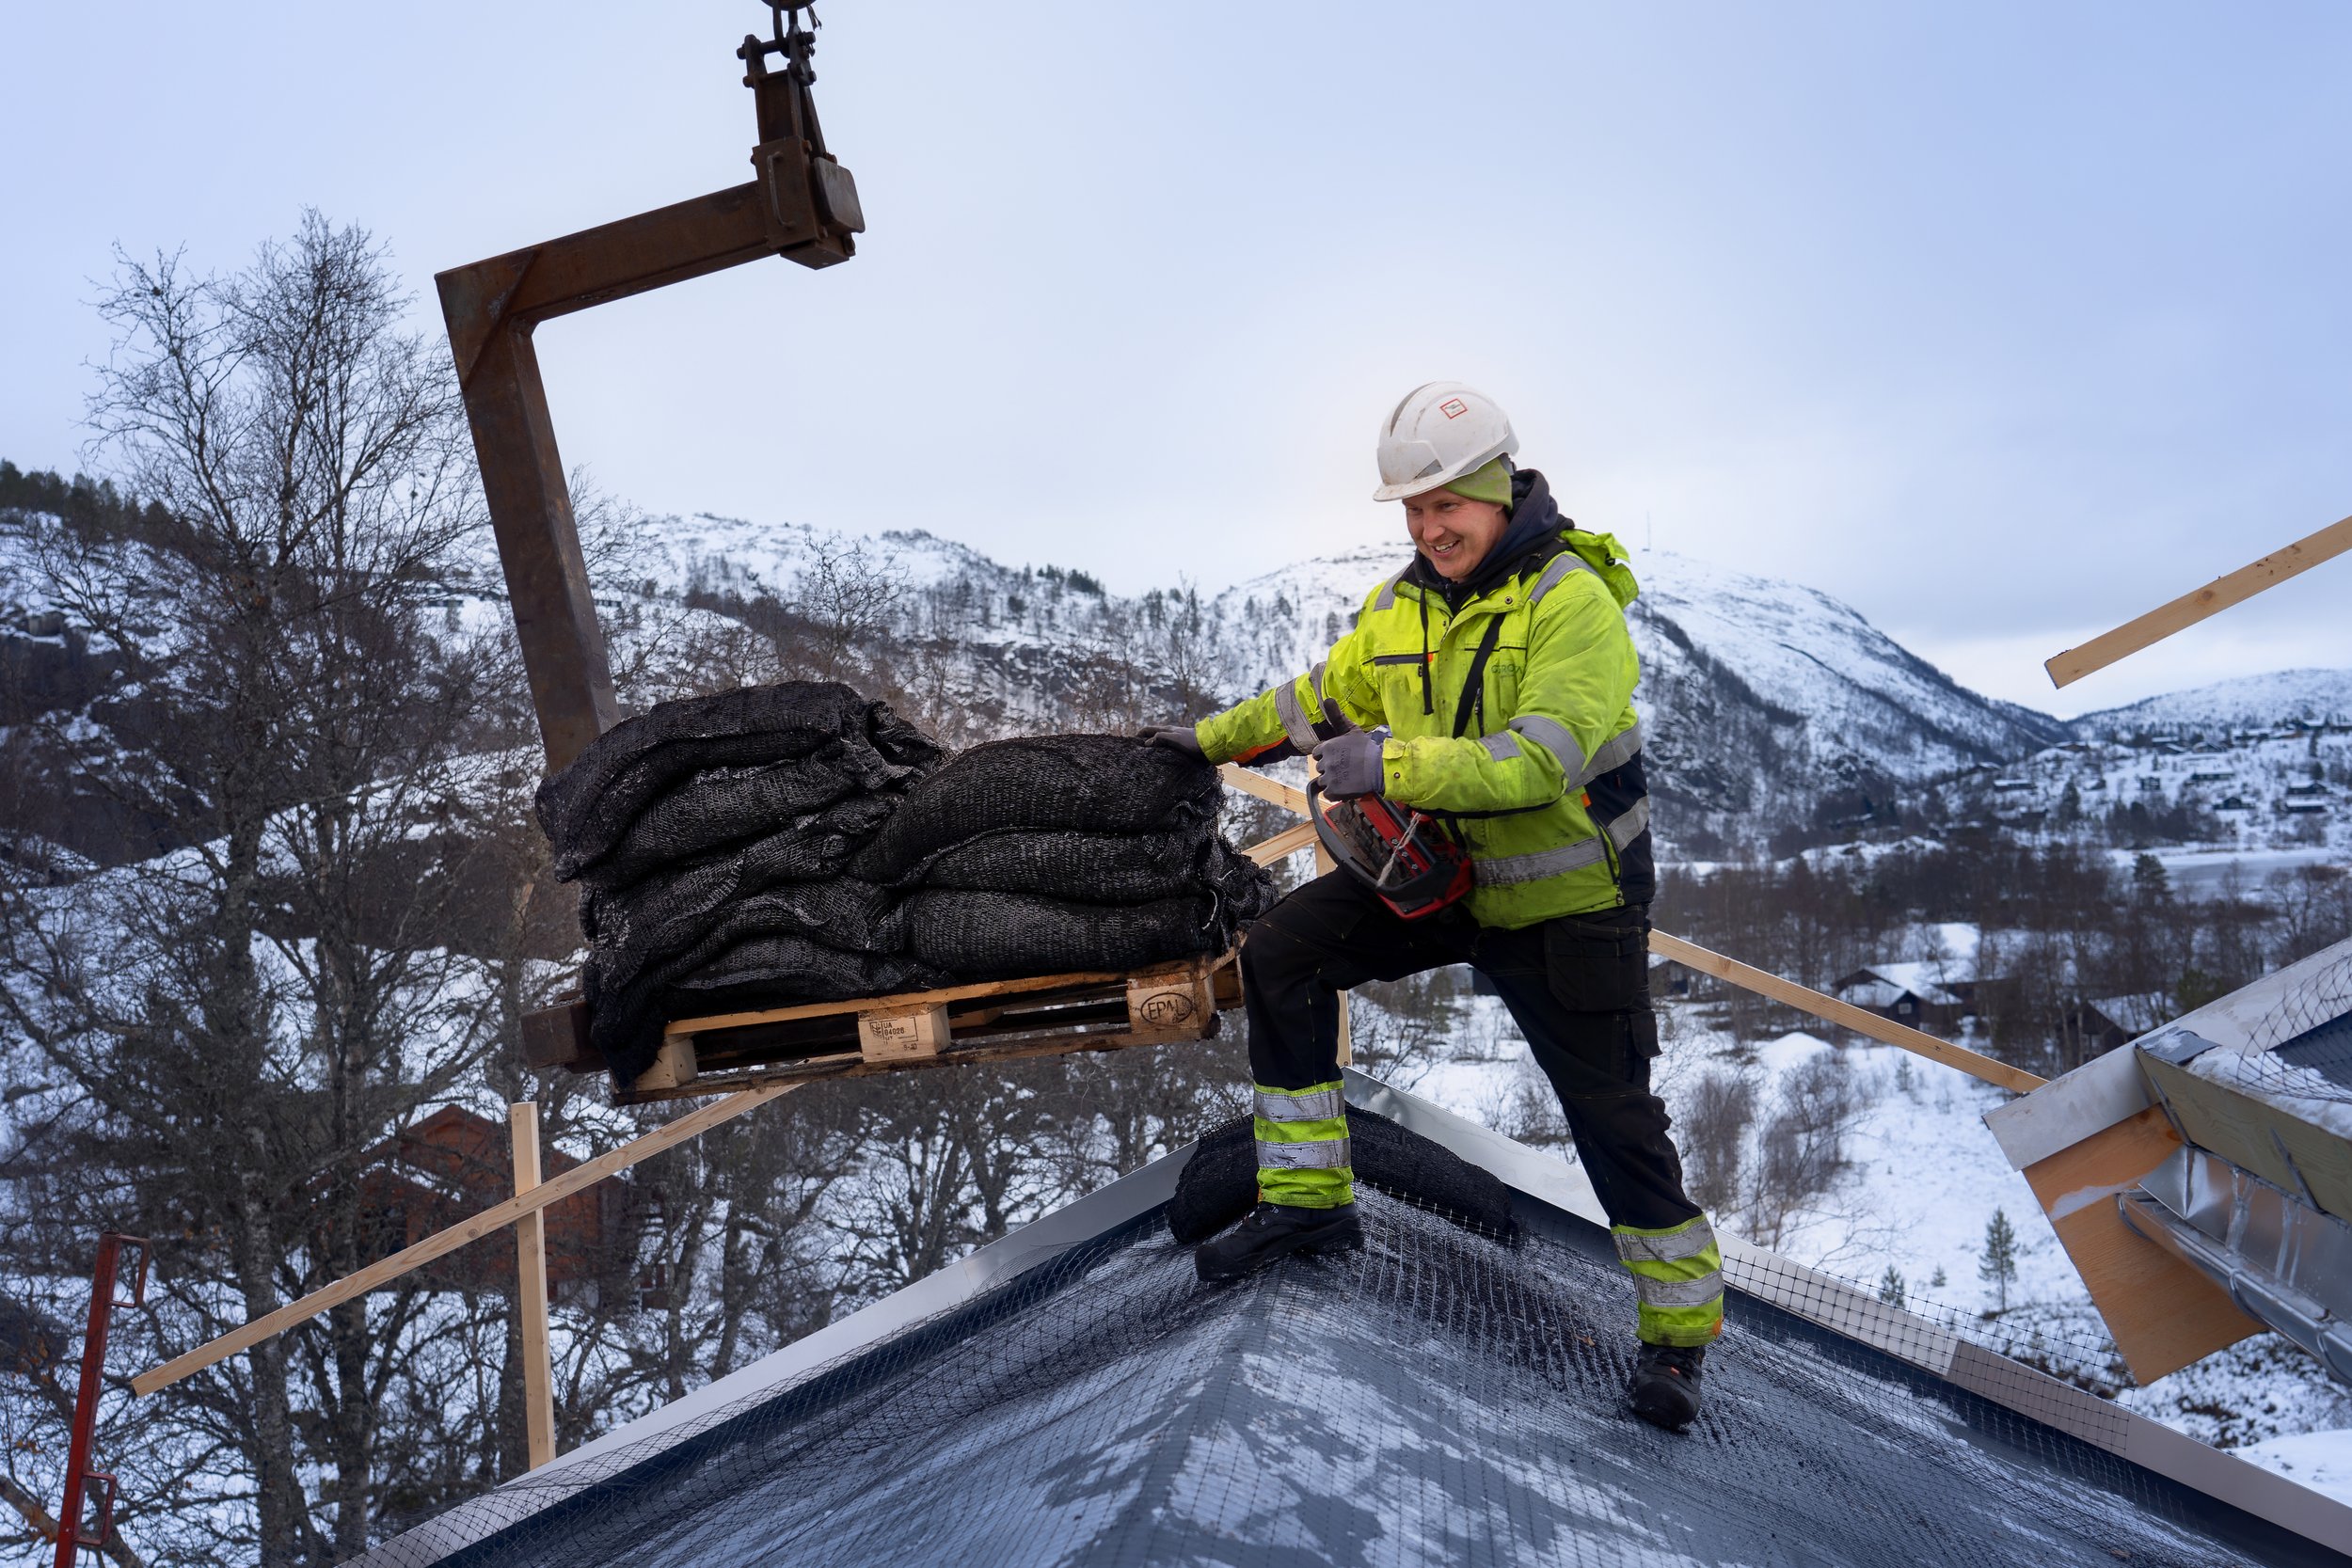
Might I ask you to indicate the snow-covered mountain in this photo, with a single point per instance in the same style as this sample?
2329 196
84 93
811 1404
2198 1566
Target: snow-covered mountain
1770 707
2248 702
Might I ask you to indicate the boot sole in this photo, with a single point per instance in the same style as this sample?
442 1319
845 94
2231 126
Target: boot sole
1337 1240
1662 1414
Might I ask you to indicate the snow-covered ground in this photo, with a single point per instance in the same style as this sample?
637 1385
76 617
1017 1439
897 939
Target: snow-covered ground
1922 1182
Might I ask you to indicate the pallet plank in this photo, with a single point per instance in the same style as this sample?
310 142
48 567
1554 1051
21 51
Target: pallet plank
1271 790
993 1020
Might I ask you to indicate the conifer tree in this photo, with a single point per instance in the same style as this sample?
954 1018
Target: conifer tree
1999 1265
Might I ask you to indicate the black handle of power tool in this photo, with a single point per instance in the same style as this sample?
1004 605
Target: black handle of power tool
1337 848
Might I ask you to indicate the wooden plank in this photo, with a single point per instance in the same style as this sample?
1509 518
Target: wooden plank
1282 844
985 1051
531 1296
898 1037
2189 608
899 1002
1845 1014
1290 799
2163 1313
556 1038
579 1179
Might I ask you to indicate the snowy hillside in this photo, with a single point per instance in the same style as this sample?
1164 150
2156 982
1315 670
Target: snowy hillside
1770 705
2249 702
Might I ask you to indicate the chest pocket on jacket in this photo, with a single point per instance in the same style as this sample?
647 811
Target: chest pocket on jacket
1398 676
1505 672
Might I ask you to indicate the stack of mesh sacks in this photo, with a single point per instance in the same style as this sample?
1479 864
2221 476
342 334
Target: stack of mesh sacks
1064 853
710 836
799 843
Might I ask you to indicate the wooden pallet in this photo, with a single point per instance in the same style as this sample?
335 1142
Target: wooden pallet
993 1020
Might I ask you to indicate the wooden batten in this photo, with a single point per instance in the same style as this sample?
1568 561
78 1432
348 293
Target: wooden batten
2189 608
556 1038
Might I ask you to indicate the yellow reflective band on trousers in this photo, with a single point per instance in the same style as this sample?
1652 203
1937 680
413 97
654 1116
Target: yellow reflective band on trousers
1302 1146
1679 1277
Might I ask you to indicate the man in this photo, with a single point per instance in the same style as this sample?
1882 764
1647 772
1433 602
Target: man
1500 664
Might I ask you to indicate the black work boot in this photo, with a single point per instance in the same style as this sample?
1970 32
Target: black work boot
1273 1229
1664 1390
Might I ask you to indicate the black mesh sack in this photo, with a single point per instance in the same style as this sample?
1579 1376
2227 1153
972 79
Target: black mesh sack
718 806
1107 868
841 911
1093 784
589 805
1244 889
627 986
814 847
983 936
780 971
1094 868
1220 1183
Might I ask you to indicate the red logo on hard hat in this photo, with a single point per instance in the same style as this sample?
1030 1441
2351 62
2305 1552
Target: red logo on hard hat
1453 408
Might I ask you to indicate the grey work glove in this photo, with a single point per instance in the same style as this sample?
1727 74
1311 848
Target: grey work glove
1176 737
1350 764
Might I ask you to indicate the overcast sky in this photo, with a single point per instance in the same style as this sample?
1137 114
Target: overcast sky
2002 323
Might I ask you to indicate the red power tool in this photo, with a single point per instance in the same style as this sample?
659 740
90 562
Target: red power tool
1410 859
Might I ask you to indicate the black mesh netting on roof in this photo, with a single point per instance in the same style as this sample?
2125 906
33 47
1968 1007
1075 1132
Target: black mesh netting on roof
1434 1399
2302 1043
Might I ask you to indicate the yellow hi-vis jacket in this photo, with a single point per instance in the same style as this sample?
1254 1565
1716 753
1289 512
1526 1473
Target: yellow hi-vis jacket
1544 769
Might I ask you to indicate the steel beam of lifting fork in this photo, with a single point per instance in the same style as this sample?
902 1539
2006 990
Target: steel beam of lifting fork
802 206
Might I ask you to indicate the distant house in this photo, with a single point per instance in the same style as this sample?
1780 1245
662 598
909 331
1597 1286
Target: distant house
2304 806
2009 787
1669 980
2098 1027
1924 995
2210 775
454 1164
2235 803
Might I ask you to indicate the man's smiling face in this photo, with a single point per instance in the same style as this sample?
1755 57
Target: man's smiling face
1452 531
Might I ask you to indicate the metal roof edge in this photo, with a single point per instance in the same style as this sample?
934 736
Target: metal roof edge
2102 1091
2110 1088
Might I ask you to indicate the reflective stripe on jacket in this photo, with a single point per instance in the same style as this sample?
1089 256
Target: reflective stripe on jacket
1548 765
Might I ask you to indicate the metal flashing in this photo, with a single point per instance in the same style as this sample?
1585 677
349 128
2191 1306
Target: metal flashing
2062 1112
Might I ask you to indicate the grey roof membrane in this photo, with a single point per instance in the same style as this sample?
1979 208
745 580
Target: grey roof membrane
1438 1397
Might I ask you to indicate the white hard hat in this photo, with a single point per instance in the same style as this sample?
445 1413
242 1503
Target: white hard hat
1440 432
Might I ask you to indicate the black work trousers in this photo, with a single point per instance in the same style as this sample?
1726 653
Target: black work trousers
1578 987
